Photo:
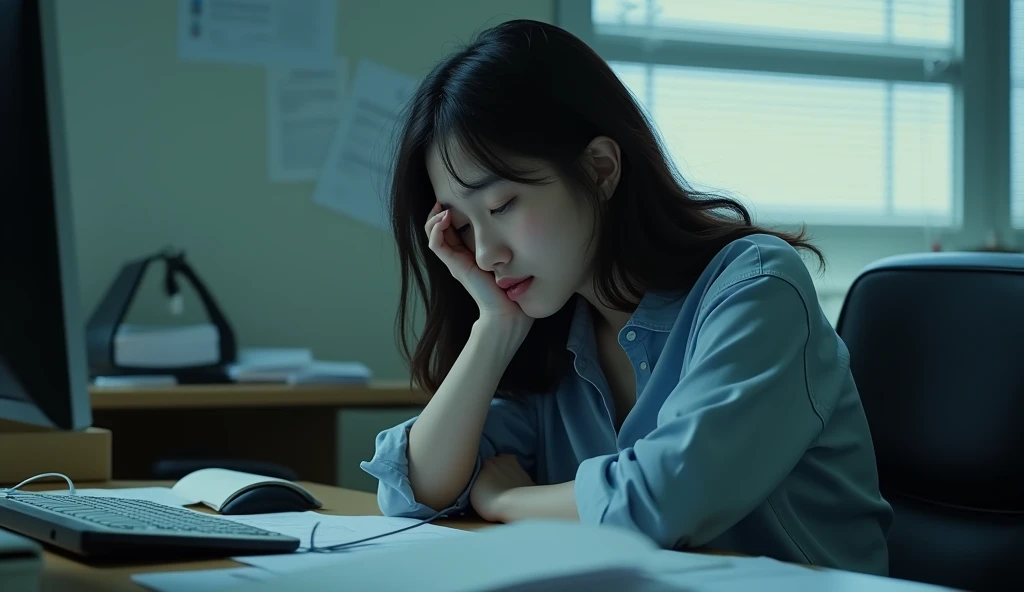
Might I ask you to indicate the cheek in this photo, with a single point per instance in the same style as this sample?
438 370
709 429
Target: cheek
534 229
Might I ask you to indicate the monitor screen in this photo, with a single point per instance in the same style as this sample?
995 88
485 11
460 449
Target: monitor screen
43 368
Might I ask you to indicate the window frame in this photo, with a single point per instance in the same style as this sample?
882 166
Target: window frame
979 71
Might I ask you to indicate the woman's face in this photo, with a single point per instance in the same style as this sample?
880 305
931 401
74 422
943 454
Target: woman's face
519 231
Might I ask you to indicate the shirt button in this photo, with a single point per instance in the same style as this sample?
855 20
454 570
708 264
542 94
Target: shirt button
643 365
631 336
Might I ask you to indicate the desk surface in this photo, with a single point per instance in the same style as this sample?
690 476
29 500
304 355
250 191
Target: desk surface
376 394
61 573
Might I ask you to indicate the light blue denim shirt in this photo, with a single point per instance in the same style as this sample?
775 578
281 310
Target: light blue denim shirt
747 434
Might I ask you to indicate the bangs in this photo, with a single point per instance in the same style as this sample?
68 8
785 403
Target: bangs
454 134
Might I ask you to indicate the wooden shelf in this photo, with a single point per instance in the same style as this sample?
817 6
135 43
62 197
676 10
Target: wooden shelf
377 394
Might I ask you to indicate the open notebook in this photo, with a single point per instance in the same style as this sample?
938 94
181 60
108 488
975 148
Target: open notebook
217 488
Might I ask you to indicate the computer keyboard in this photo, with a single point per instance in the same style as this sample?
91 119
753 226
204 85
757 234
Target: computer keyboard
90 525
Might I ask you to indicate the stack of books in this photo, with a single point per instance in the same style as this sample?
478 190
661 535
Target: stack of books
294 366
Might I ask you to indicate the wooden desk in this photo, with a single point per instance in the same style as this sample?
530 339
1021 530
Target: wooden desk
295 426
62 573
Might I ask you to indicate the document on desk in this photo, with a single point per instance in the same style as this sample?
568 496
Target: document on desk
203 580
530 555
765 574
555 555
356 173
334 530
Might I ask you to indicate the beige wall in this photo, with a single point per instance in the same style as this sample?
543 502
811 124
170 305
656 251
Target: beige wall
170 152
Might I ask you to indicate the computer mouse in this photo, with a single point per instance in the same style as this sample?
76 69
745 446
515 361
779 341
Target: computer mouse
269 498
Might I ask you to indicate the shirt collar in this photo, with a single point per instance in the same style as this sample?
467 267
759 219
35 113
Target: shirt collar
657 311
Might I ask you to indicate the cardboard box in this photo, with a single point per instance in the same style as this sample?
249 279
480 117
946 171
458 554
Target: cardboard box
82 456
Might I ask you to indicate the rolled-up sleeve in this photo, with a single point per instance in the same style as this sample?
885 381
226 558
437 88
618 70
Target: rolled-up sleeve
510 428
739 419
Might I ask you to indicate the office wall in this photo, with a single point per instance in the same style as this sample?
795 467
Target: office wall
166 152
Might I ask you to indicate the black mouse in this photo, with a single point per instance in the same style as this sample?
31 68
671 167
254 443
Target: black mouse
269 498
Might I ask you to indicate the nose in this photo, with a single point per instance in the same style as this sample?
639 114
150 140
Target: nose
490 253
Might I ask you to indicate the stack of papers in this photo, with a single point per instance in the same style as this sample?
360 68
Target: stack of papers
153 346
332 530
335 530
531 555
294 366
203 580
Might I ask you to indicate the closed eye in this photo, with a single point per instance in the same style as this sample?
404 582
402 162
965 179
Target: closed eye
504 207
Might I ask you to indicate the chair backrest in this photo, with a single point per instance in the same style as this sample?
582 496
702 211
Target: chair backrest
936 346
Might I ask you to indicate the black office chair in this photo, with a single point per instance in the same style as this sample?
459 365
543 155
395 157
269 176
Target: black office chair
936 344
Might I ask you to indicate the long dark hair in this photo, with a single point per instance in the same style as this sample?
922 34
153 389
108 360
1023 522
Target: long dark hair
532 89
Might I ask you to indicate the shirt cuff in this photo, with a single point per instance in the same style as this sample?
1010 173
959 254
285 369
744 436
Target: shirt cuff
390 466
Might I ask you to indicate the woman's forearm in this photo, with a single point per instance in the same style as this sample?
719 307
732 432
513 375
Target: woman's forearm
557 502
445 438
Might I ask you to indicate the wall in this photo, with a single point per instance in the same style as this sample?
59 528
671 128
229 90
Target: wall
166 152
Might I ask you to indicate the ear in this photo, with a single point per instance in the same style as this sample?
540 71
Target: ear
604 160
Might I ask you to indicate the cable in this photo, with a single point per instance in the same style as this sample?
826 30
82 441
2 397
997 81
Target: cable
344 546
71 486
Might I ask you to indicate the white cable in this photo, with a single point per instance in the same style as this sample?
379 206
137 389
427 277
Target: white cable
71 486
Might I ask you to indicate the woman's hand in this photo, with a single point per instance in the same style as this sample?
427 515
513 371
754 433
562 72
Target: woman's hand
446 243
498 475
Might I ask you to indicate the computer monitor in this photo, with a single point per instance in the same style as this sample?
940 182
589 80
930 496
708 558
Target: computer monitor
43 368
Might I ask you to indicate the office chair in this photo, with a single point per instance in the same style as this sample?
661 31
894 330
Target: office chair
936 344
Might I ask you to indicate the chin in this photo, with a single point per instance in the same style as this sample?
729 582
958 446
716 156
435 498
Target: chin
537 306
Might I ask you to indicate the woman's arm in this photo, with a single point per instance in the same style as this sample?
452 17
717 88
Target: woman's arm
445 438
756 394
504 492
556 502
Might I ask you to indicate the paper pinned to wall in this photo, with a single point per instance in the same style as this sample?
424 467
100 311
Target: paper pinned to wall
303 110
356 174
296 33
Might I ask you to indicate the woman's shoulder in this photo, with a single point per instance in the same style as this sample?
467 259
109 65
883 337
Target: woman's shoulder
756 256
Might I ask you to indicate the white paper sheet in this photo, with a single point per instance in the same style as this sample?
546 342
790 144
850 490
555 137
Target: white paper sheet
356 174
203 580
160 495
335 530
537 555
296 33
765 574
303 110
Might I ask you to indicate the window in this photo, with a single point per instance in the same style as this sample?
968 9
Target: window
1017 112
819 111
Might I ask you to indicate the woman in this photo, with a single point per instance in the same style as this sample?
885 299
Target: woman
603 343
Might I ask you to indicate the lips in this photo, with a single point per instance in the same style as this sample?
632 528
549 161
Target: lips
506 283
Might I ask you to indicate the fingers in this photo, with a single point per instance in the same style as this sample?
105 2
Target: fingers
435 233
451 235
